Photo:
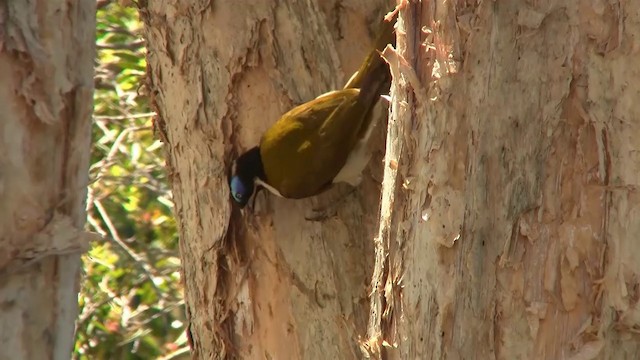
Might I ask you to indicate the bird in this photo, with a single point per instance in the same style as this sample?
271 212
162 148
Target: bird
321 142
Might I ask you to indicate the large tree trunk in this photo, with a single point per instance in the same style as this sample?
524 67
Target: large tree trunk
46 72
264 283
515 222
511 169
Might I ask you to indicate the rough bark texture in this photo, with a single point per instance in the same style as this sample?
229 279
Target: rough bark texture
263 283
515 195
46 72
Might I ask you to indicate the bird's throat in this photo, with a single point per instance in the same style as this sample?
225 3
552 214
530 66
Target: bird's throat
249 164
271 189
252 164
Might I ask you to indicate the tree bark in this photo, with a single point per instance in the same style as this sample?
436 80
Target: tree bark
510 181
46 71
512 171
264 283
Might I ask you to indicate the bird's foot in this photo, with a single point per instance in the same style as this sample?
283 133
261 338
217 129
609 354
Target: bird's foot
330 210
258 207
321 214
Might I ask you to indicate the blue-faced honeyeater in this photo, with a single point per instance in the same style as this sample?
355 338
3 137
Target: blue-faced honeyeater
320 142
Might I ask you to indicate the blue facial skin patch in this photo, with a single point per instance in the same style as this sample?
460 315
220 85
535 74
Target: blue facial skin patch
238 189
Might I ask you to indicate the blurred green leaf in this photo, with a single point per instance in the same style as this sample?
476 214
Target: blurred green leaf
131 304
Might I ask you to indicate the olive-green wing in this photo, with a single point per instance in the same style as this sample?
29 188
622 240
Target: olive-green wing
304 150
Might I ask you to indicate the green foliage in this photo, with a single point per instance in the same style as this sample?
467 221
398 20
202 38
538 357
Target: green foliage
131 303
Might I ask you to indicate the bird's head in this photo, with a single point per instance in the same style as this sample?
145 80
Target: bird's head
242 179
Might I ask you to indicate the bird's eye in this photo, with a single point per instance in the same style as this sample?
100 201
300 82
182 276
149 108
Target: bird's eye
239 190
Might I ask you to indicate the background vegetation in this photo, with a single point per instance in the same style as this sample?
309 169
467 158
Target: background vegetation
131 303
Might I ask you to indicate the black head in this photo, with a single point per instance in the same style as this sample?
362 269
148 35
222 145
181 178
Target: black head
246 168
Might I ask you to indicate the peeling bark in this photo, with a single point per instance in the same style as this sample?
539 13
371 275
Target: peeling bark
46 69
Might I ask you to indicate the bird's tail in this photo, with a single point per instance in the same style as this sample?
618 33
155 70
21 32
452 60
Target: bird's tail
373 74
373 78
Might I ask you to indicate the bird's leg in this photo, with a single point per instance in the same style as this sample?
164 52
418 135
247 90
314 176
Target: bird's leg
326 211
255 197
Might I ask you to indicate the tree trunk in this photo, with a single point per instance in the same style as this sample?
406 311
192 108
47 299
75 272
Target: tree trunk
514 231
46 72
511 170
264 283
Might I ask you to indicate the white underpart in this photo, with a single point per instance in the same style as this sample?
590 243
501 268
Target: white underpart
268 187
351 172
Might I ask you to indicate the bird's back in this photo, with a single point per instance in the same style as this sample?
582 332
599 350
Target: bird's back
308 146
